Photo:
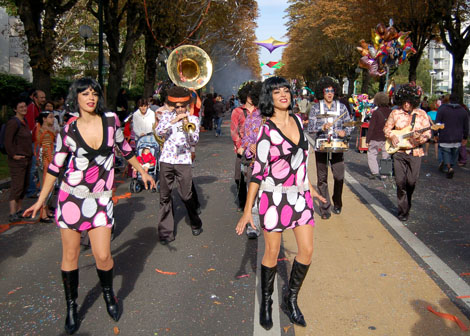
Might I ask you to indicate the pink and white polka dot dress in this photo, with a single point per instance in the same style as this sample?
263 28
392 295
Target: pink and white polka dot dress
88 171
281 163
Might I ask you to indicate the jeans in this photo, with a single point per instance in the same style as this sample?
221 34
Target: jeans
449 155
218 125
32 188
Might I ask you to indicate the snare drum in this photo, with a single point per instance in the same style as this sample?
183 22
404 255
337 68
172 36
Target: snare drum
333 145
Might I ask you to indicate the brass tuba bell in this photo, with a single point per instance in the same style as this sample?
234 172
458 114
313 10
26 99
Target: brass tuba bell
189 66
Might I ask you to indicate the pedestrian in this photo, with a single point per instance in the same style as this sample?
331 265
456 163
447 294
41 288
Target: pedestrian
252 125
176 162
122 105
453 135
407 161
86 148
375 138
19 148
143 122
219 111
326 120
285 195
208 112
237 132
34 109
45 138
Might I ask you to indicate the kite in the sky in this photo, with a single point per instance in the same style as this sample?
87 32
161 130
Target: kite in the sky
261 64
271 44
268 74
271 64
278 65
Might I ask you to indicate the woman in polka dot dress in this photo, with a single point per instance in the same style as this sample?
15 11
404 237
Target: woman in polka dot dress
285 195
85 148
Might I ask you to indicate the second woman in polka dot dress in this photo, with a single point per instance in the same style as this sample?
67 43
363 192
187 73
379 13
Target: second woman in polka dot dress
285 195
85 148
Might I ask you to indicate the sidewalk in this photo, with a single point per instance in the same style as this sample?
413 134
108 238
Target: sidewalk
363 282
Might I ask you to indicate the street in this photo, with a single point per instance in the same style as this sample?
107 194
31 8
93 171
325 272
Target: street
202 285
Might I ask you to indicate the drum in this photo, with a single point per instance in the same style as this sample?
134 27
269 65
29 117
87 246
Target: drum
333 145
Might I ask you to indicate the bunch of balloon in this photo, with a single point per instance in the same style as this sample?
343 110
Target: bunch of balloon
389 49
362 106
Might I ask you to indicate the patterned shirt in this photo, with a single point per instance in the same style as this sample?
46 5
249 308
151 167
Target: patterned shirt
237 126
316 122
400 119
177 147
251 126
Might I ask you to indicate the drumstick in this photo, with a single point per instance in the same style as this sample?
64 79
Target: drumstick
339 117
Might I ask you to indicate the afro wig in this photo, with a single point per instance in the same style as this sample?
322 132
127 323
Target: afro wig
326 82
244 90
407 94
255 92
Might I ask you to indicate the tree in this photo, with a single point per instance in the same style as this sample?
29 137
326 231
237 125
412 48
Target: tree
40 18
455 35
119 14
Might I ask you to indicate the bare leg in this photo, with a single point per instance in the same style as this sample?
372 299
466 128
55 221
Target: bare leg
304 237
100 239
70 249
272 248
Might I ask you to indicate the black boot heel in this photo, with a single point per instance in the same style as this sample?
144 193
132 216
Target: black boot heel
70 281
267 287
112 304
297 276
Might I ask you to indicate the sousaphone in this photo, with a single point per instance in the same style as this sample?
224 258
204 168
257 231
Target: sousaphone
190 67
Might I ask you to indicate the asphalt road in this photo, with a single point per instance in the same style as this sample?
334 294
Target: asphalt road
440 213
201 285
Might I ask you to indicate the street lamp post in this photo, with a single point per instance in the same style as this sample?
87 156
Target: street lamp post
86 32
431 73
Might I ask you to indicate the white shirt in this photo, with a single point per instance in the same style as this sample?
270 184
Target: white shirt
142 123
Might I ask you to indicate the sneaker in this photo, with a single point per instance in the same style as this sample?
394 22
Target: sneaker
196 232
326 216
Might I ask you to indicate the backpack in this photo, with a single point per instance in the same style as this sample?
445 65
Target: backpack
2 135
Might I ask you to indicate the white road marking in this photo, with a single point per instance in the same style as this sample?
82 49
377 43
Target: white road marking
452 279
258 330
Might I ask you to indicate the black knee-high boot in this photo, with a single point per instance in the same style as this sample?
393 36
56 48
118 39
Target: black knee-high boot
297 276
112 305
70 281
268 274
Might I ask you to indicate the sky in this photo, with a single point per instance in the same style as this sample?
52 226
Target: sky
271 22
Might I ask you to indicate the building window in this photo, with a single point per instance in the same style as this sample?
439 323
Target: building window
465 62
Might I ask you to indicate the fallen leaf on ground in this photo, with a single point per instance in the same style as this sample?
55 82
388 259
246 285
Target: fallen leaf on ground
116 331
167 273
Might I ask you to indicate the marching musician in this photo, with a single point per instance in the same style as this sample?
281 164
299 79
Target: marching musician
326 120
407 162
176 162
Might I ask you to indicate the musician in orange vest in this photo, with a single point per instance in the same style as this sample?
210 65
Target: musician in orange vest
407 160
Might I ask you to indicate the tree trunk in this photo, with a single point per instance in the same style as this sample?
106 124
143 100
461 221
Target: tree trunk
414 62
116 72
42 80
150 69
365 81
457 75
382 82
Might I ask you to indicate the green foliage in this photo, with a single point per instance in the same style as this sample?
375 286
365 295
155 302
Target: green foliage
135 93
60 87
11 86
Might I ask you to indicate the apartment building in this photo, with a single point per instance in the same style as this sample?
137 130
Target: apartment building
14 57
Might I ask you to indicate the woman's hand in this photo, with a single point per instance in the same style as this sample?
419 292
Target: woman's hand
33 210
246 218
146 178
253 149
314 193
